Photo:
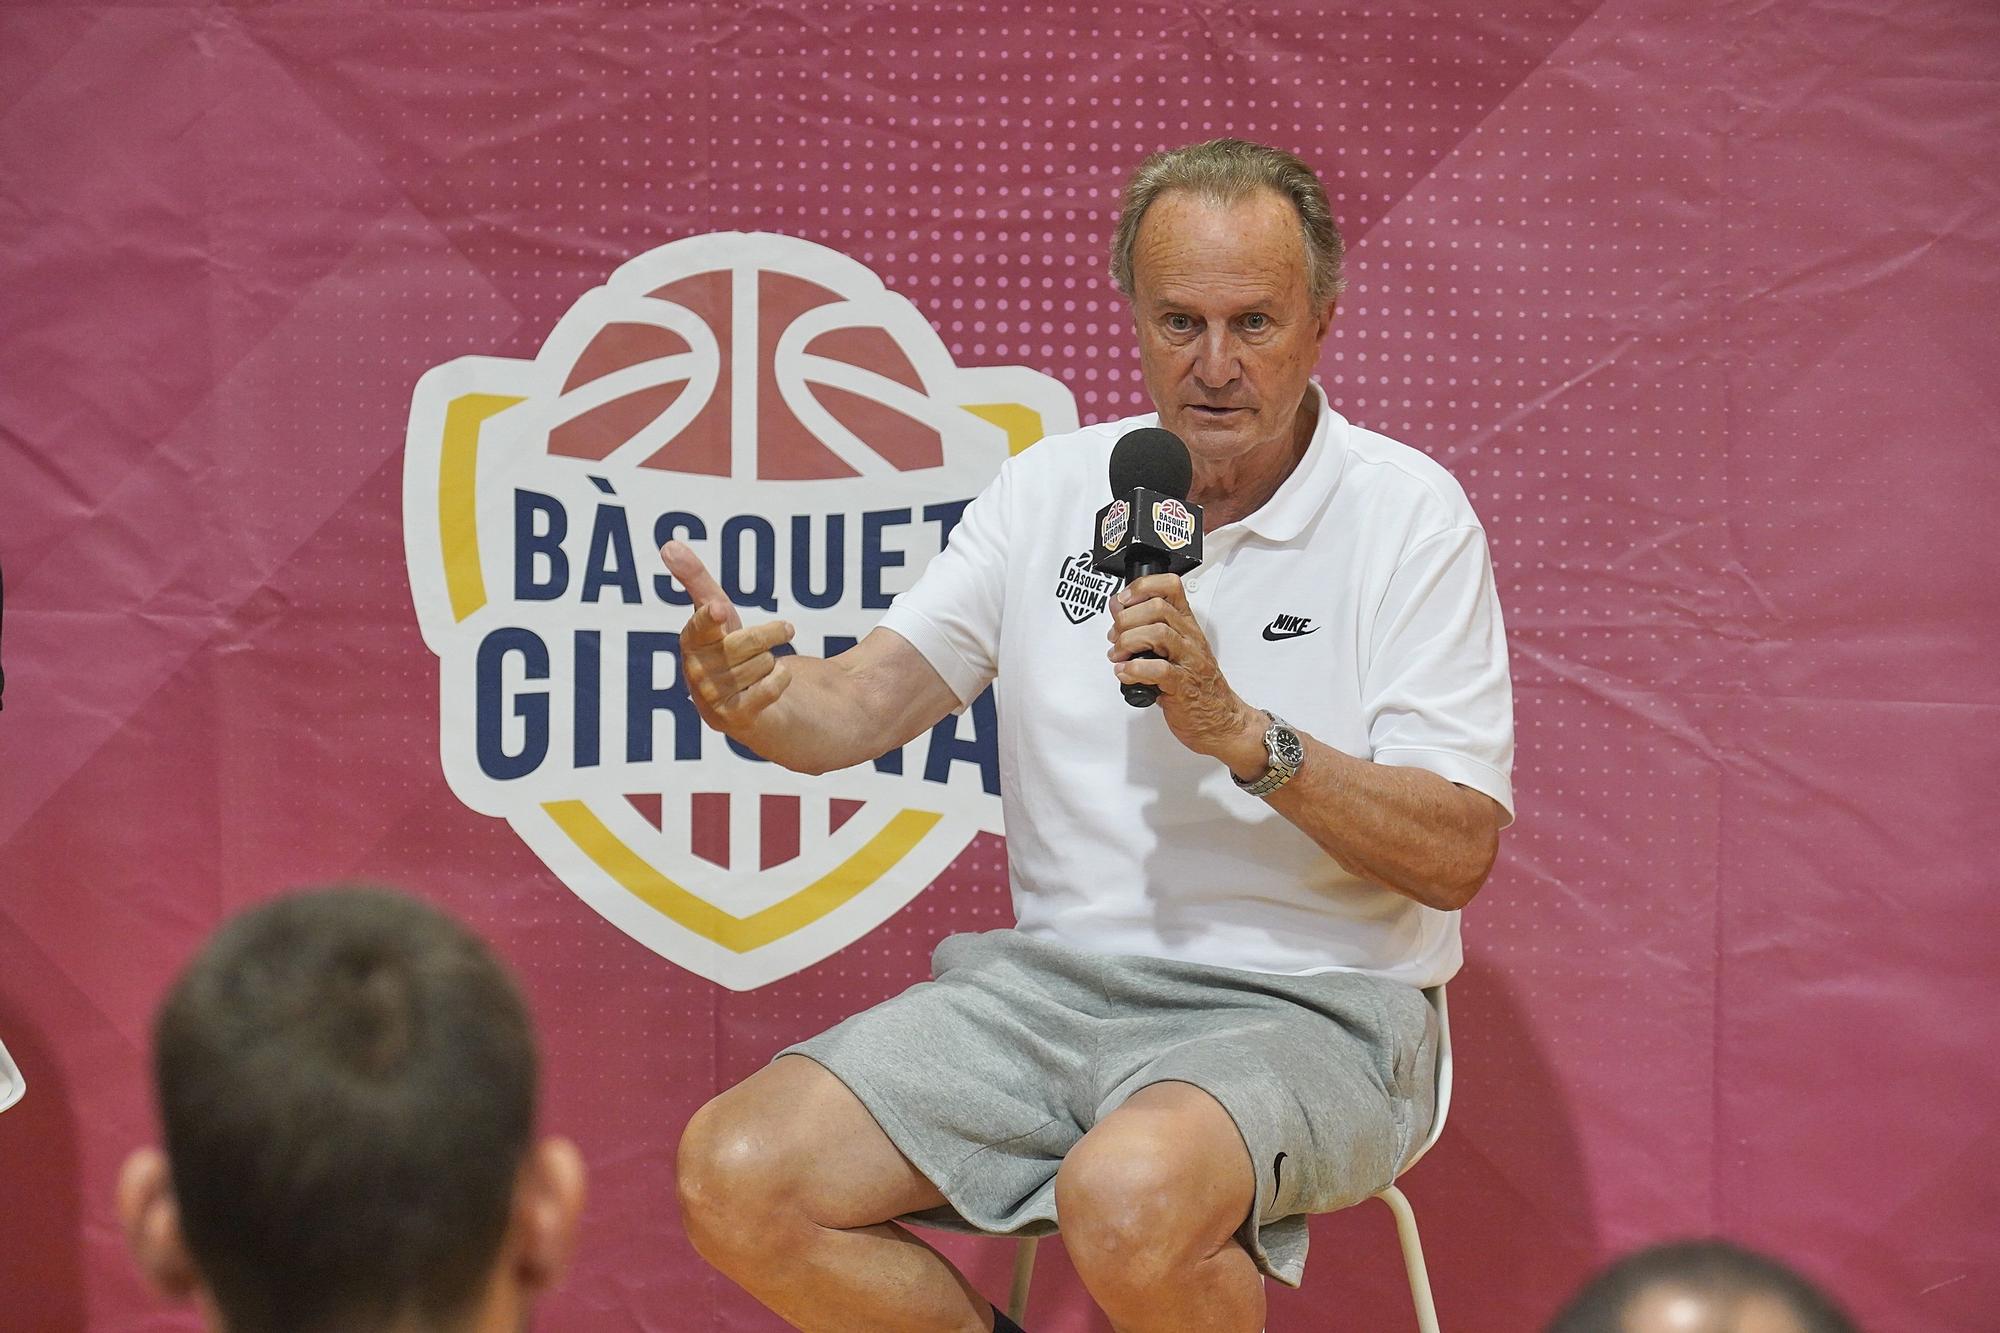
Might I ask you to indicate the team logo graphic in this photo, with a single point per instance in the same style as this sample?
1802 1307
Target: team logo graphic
1117 520
769 402
1081 590
1172 523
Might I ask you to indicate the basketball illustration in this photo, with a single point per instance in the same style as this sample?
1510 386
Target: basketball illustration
806 430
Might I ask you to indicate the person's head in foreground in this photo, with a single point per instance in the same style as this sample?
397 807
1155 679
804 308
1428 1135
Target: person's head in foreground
1704 1286
346 1082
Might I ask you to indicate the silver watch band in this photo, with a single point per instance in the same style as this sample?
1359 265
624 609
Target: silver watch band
1283 753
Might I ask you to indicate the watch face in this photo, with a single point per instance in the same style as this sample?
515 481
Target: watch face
1283 751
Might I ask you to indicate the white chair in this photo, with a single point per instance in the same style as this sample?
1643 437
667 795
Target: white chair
1406 1220
12 1085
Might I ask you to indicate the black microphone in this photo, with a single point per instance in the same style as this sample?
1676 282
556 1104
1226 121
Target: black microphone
1149 527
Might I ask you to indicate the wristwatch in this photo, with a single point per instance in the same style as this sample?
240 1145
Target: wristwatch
1283 753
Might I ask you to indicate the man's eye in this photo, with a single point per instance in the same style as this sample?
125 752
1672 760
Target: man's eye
1179 323
1256 323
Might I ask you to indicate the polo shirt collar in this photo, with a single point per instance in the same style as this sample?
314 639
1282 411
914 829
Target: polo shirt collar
1285 515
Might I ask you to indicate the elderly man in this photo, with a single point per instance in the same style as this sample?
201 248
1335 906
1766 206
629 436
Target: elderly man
1208 1021
347 1084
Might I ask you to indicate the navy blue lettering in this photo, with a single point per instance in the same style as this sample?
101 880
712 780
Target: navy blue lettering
836 562
874 559
611 558
589 703
531 706
761 588
643 698
546 543
945 514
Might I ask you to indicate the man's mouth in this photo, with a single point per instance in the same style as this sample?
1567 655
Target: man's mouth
1214 413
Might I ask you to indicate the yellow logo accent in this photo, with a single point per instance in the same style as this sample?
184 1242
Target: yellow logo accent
740 934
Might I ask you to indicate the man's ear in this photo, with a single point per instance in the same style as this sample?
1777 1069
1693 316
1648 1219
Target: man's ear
548 1200
152 1223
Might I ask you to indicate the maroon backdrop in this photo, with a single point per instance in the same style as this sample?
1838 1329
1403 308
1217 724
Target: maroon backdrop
1695 300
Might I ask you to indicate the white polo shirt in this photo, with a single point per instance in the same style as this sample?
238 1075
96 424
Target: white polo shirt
1357 604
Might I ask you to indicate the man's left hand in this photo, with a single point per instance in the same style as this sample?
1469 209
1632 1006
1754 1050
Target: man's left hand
1151 615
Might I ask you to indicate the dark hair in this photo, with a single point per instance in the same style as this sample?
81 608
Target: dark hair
1223 171
347 1085
1726 1275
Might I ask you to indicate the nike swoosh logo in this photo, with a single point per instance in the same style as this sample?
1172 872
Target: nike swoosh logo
1277 1173
1273 633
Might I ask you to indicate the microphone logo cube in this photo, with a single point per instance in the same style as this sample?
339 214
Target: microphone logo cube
1147 527
1112 525
1173 524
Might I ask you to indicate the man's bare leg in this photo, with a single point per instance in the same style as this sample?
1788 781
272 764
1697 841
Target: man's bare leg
1150 1200
787 1185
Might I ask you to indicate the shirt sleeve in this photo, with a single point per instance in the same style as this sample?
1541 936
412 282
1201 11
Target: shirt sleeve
951 614
1436 691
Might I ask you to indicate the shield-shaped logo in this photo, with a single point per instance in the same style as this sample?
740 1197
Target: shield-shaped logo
1117 521
1172 524
768 401
1082 590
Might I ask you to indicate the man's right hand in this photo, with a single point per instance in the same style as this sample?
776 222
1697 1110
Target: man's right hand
732 673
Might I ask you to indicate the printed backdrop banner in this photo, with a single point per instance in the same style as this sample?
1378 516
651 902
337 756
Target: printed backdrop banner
357 358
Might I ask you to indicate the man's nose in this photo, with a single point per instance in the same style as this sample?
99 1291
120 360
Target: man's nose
1216 364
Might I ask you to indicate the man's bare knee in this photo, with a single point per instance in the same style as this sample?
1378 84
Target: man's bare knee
1122 1216
1147 1195
787 1150
732 1175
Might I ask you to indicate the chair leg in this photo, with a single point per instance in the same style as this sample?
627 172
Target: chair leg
1024 1272
1413 1258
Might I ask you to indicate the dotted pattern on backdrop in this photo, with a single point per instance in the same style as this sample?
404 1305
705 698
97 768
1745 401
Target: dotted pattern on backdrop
1541 264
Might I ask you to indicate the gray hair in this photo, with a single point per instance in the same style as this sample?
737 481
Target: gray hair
1225 171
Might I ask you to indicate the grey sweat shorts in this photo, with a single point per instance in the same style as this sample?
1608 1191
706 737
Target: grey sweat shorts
985 1076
